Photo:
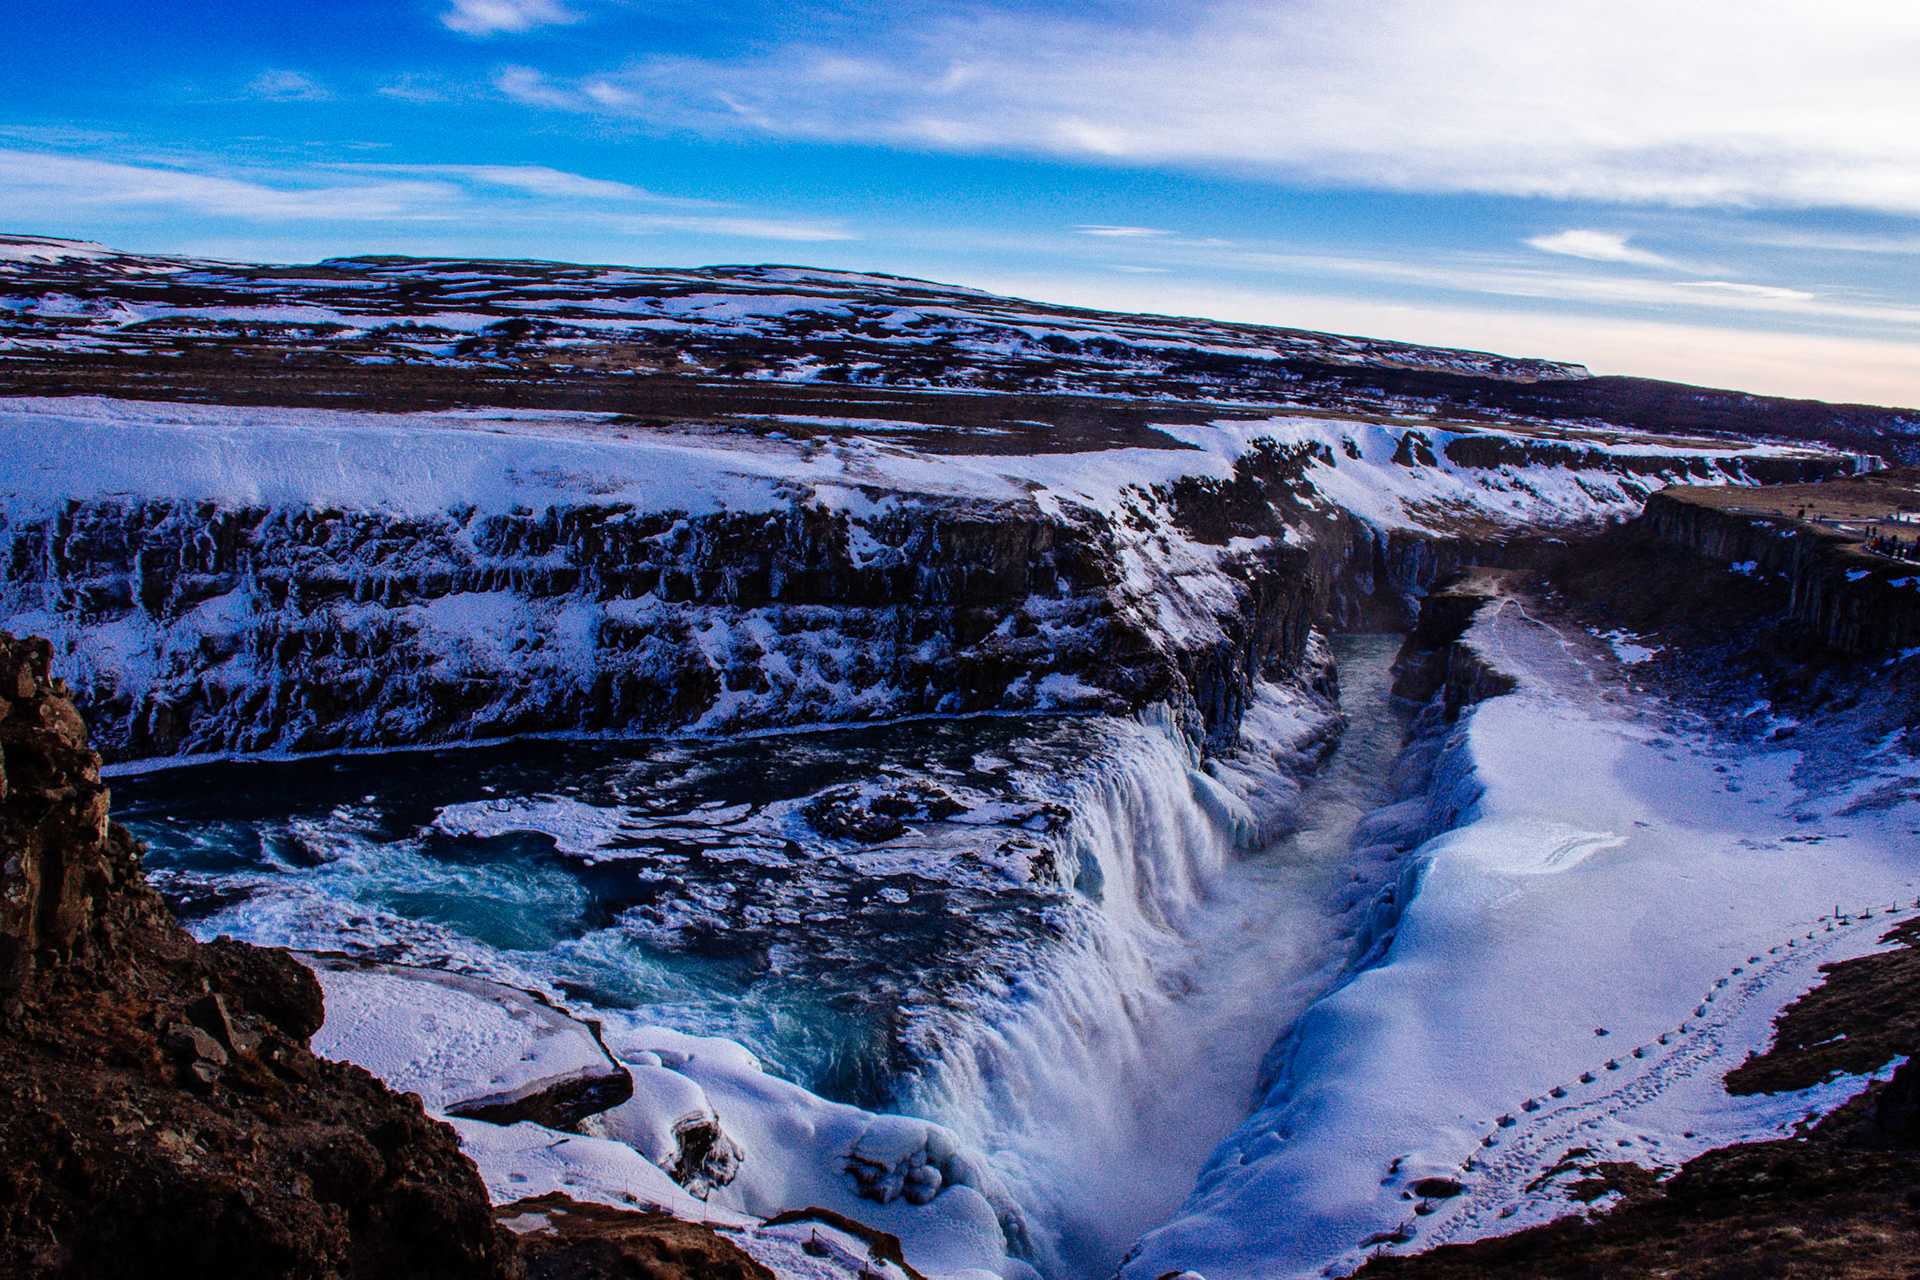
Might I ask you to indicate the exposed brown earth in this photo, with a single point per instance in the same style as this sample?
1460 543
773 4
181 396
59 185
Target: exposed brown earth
398 333
164 1115
561 1239
1861 1017
1871 496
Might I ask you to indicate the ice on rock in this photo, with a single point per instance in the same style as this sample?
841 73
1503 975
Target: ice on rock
1400 825
705 1133
670 1121
525 1160
908 1177
466 1046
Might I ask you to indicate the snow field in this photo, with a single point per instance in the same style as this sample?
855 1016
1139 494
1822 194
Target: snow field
1605 915
459 1042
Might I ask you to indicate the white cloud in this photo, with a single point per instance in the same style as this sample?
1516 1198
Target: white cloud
539 180
524 84
1810 366
41 188
1760 292
1495 277
1123 233
288 86
412 88
491 17
37 185
1768 102
1598 246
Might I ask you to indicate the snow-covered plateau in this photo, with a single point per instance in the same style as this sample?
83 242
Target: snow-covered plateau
927 783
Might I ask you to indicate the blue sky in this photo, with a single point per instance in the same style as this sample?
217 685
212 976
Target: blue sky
1725 193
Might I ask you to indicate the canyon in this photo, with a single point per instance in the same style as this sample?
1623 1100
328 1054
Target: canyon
943 761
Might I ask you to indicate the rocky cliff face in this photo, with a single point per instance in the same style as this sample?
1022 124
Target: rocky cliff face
258 628
303 582
1848 600
164 1115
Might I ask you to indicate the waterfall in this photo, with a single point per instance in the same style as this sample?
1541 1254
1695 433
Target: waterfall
1102 1079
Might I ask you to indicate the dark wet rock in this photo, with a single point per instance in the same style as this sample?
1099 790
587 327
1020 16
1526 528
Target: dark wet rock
841 814
1838 594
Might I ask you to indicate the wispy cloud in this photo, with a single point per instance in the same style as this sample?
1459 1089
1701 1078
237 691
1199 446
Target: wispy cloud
288 86
492 17
36 184
1122 233
1762 292
39 187
1598 246
524 84
1818 366
412 88
1763 102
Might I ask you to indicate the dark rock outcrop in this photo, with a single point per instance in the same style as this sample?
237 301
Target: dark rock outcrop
163 1114
564 1240
319 630
1432 660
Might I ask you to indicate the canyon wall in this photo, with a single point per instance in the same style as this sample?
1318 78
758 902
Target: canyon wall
1842 596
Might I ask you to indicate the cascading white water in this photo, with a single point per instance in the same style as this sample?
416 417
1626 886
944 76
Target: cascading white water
1101 1083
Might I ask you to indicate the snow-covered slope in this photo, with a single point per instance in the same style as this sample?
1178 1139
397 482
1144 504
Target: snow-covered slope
221 579
783 323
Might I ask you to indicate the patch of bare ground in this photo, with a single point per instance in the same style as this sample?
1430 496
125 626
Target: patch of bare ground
562 1239
1839 1202
1861 1017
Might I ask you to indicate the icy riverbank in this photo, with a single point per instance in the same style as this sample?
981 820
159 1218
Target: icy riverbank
1609 906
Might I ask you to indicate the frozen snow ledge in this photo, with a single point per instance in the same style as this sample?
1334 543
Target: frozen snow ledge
1617 914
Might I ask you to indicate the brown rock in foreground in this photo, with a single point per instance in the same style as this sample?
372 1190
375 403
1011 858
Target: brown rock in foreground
564 1240
162 1114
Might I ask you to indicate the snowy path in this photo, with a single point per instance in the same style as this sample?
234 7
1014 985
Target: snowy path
1630 1105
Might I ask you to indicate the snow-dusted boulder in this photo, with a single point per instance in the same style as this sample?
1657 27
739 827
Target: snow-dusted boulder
908 1177
525 1160
468 1047
670 1121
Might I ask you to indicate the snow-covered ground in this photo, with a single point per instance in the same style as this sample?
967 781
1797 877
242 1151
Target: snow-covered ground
208 566
421 464
75 296
1597 876
1611 904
